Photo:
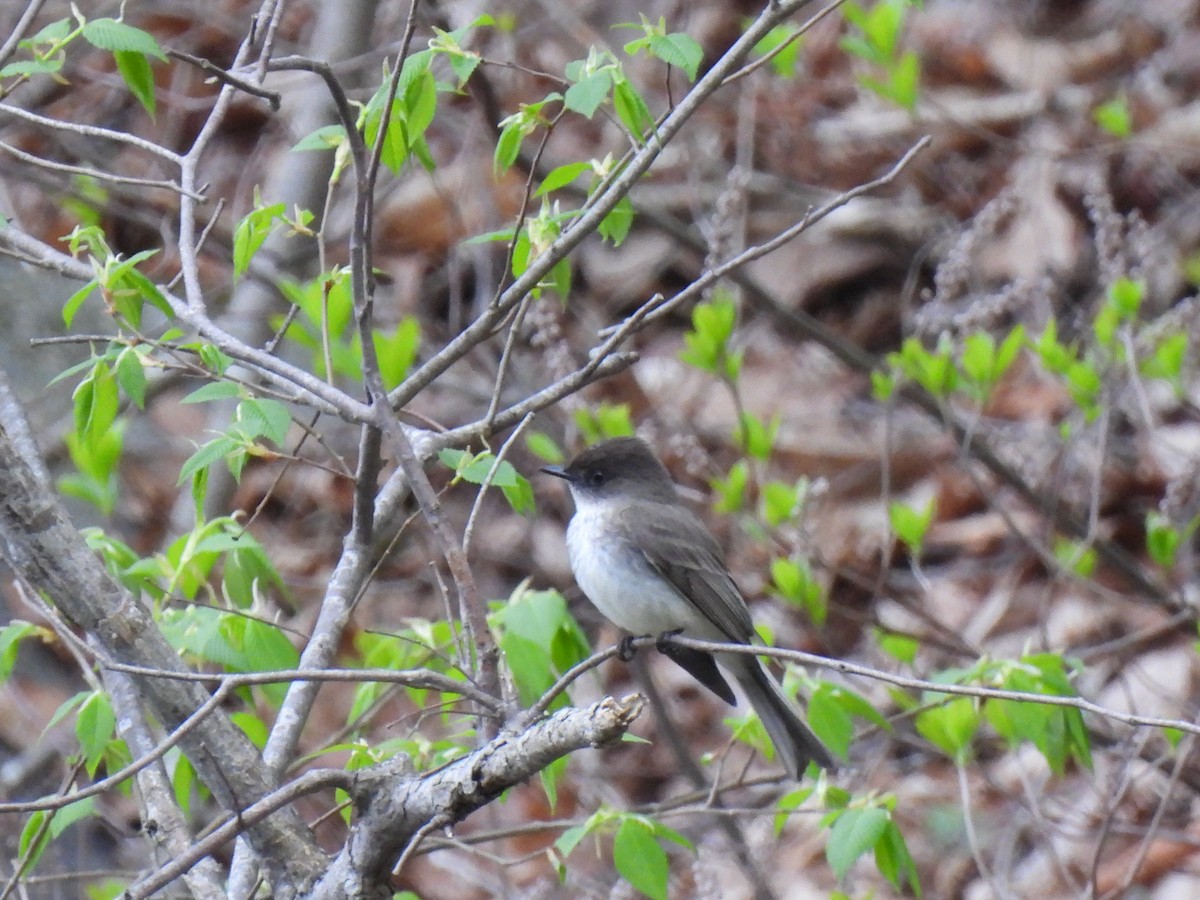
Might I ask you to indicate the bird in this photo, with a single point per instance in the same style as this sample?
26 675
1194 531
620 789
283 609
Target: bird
651 567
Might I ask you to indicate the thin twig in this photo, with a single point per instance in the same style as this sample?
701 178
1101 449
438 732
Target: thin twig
432 825
602 204
487 483
225 77
233 825
120 137
98 174
795 36
18 33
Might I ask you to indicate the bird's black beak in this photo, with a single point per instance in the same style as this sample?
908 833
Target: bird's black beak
558 472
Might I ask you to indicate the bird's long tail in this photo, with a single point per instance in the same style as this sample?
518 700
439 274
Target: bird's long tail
794 741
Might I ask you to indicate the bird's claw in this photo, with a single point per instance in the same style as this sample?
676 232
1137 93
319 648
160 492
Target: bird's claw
626 648
663 643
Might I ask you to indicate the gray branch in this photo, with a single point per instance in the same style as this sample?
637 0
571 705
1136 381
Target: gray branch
393 811
48 553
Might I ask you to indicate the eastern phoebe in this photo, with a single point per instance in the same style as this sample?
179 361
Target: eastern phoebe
652 568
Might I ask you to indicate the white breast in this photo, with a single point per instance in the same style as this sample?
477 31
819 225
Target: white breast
622 585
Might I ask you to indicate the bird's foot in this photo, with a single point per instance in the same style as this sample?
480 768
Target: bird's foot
663 643
627 648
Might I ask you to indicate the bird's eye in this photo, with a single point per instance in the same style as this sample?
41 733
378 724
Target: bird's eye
596 478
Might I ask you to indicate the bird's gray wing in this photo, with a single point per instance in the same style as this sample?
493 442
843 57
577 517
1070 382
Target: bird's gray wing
679 546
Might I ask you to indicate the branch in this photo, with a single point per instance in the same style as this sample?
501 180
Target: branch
394 810
245 86
231 827
918 684
19 30
120 137
89 172
157 798
602 204
301 386
46 551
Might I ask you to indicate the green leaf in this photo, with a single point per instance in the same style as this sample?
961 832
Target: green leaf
217 449
1114 117
550 776
544 447
1168 358
830 721
132 290
1054 355
904 81
640 858
198 630
71 307
247 567
70 814
1009 348
781 501
615 226
397 351
979 357
109 34
586 95
31 833
11 636
96 457
520 496
854 833
95 726
51 33
730 491
883 386
96 402
138 77
252 232
755 437
508 148
561 177
793 581
44 826
251 725
785 61
679 50
265 417
632 109
569 839
1126 295
787 804
560 278
607 420
540 641
327 137
66 708
713 324
951 726
911 524
214 359
475 468
1162 539
216 390
521 253
420 100
420 149
894 861
898 646
30 67
264 648
132 376
1076 557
